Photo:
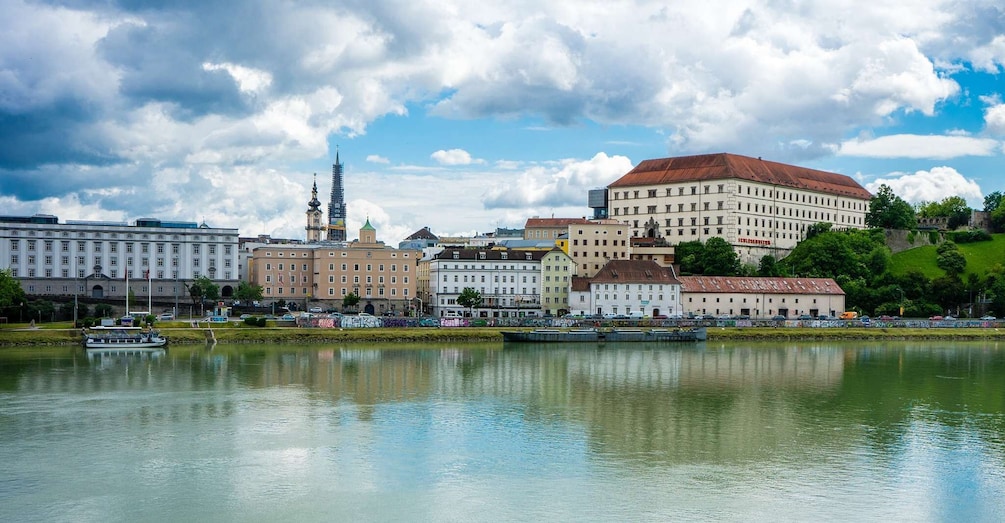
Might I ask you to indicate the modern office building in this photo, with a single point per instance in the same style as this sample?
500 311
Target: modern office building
93 259
760 207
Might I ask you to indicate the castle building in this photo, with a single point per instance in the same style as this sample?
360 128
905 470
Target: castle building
336 206
759 207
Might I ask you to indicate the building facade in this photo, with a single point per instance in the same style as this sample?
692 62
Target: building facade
761 297
596 242
627 287
549 228
94 259
323 274
759 207
557 271
509 282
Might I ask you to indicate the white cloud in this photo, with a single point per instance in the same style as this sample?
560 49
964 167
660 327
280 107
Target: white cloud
376 158
919 146
932 185
994 119
454 157
565 184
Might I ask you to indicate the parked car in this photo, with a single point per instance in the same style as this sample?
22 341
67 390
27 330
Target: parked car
388 313
167 316
805 317
778 318
935 318
988 318
245 316
316 310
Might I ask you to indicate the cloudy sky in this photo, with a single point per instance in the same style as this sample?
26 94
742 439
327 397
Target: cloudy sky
466 116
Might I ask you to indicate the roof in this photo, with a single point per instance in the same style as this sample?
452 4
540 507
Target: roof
758 285
553 222
634 271
489 254
367 226
422 234
723 166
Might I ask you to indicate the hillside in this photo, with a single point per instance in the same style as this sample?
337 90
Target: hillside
980 257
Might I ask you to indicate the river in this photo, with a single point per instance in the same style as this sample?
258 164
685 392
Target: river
738 431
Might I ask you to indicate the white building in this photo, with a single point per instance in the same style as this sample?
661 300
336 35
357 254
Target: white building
624 287
94 258
509 282
761 297
759 207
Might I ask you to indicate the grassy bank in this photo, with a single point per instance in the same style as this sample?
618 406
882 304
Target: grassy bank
248 335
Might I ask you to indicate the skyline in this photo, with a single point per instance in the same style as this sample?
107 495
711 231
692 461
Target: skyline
464 118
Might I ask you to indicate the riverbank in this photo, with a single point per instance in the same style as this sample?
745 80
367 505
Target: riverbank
249 335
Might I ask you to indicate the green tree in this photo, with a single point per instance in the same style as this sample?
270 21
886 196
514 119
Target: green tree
719 259
768 266
993 201
818 228
103 310
889 211
349 301
953 207
11 293
950 259
689 256
248 292
203 289
470 298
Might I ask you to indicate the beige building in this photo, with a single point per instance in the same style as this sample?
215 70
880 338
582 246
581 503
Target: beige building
759 207
594 243
384 278
557 270
628 288
549 228
761 297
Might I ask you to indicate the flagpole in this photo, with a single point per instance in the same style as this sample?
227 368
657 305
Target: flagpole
127 290
150 292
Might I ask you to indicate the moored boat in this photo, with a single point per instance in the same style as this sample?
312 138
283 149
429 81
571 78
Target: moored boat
613 335
123 338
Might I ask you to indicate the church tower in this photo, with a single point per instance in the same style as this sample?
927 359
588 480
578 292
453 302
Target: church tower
314 215
336 207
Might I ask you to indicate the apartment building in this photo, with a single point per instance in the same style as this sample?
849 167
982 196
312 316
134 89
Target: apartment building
760 207
509 281
557 271
592 244
549 228
627 287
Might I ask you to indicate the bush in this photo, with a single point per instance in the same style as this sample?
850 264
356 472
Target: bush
251 321
910 237
933 237
970 236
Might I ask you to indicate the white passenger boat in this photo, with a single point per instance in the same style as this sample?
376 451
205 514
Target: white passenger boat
123 338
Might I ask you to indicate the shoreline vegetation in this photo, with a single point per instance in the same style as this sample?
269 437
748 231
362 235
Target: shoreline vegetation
15 336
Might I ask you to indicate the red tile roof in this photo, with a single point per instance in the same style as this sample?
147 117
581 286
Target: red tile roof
553 222
634 271
723 166
757 285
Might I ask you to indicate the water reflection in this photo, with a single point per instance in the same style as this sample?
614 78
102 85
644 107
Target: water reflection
868 422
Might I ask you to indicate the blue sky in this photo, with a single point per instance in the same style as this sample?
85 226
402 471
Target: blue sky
467 116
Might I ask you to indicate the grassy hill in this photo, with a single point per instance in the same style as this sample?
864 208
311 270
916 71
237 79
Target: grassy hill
980 257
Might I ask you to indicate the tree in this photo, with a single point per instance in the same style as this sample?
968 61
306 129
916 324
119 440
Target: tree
950 259
248 292
818 228
953 207
103 310
203 289
719 259
349 301
889 211
688 255
470 298
993 201
11 293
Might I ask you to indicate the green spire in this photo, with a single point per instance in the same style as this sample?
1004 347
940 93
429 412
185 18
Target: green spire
367 226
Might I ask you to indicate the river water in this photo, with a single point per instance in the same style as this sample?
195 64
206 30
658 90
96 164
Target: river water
904 431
